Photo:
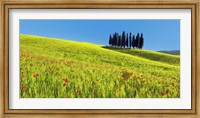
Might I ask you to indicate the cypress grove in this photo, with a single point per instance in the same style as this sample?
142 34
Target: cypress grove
126 40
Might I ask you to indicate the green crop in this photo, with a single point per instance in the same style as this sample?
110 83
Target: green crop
54 68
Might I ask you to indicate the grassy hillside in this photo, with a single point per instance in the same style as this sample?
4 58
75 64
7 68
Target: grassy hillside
173 52
151 55
54 68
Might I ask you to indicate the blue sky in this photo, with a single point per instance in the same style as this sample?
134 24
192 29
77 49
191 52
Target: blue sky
158 34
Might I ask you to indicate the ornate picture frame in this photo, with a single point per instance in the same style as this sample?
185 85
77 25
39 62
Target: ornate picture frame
99 4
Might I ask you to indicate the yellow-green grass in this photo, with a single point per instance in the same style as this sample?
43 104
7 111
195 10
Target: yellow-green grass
55 68
151 55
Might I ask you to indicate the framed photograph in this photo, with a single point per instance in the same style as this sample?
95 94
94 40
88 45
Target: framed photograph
100 58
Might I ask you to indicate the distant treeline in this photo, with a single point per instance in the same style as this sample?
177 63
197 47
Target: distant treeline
126 41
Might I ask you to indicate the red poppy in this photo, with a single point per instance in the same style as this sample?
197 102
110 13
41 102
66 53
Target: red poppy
66 80
24 89
22 74
21 85
163 93
64 85
126 78
36 75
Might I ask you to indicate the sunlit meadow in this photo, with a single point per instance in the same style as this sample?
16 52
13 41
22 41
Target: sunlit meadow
55 68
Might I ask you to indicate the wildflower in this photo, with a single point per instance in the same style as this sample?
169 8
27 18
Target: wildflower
163 82
24 89
21 85
126 78
36 75
64 85
126 75
163 93
31 64
66 80
22 74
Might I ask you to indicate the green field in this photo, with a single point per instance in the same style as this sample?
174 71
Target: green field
55 68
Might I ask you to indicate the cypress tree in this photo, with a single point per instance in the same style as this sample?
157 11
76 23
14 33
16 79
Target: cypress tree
130 41
120 41
127 40
113 40
117 39
138 40
123 39
141 41
110 40
133 42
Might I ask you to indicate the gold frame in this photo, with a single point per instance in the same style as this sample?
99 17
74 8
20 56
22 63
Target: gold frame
161 4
